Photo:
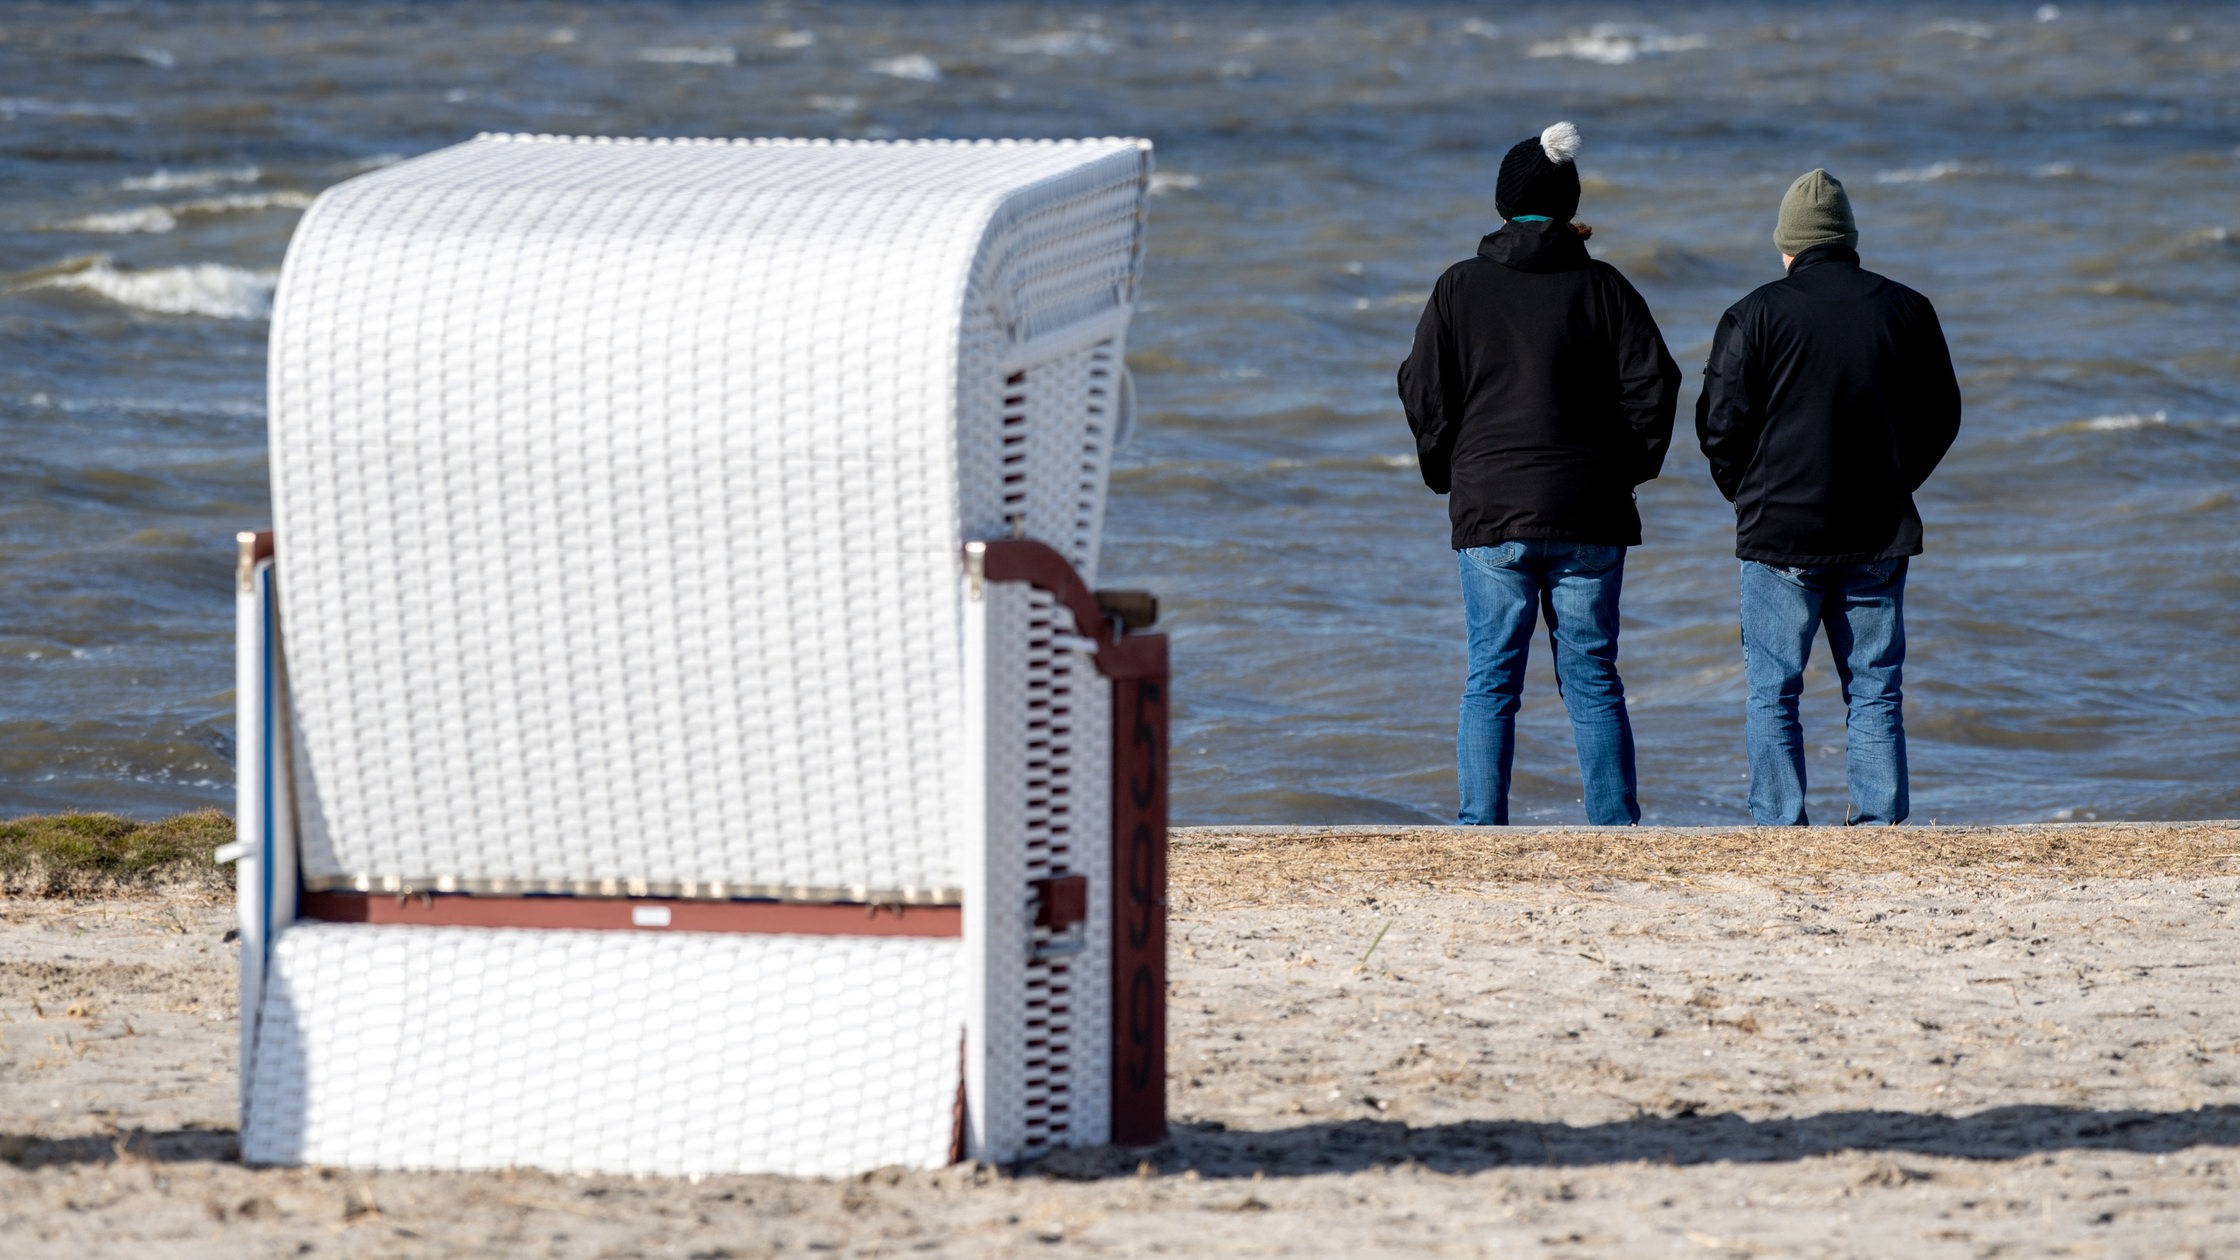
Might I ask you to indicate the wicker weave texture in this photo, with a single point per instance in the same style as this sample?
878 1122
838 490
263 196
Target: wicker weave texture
1041 1025
462 1048
1053 440
1069 832
620 488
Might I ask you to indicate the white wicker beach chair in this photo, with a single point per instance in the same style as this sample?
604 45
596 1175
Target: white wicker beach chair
677 733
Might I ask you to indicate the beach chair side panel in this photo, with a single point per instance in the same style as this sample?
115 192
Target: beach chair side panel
1039 1014
1039 379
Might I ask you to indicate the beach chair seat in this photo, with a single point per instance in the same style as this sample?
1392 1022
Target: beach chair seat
678 731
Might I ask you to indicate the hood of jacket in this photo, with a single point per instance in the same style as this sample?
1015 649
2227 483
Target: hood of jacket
1821 255
1549 246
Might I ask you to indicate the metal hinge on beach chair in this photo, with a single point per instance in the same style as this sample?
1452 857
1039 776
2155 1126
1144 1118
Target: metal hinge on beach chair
635 775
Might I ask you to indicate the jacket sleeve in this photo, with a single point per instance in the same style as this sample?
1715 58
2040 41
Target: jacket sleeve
1929 425
1430 378
1648 381
1728 419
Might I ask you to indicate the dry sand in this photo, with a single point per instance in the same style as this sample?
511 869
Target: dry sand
1937 1043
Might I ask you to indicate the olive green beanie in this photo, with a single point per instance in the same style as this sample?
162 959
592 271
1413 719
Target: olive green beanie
1815 211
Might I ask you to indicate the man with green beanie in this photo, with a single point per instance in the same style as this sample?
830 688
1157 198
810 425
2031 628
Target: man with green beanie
1828 399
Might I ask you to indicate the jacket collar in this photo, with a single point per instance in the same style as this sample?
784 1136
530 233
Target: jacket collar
1550 246
1821 255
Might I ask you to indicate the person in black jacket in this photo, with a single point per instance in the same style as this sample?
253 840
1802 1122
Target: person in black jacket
1827 401
1540 394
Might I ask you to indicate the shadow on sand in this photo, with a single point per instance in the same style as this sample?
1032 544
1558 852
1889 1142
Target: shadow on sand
1475 1145
1465 1146
166 1146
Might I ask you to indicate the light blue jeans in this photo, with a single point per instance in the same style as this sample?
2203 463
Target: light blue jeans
1863 608
1504 588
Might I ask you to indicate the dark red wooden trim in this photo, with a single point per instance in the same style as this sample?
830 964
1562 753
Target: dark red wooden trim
617 914
1139 902
1043 566
1060 901
1040 564
263 546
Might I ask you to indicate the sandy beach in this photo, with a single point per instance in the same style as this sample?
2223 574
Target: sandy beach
1946 1042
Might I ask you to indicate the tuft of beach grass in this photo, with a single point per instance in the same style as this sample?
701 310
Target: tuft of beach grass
102 855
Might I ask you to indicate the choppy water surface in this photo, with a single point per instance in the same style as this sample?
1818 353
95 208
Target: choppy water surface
2065 184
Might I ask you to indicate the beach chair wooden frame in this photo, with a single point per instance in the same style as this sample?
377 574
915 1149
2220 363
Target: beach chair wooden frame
677 729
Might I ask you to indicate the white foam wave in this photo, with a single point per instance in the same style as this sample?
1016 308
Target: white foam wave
2126 422
13 107
166 218
2054 170
1965 30
1617 44
160 58
2118 422
1164 182
146 406
916 67
119 222
1481 28
692 55
832 103
1926 174
2140 117
794 39
2049 13
281 199
172 181
213 289
1057 44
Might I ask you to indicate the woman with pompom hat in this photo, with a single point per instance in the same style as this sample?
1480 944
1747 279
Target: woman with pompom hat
1540 393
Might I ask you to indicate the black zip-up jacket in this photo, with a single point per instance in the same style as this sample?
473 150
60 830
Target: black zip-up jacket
1827 400
1539 391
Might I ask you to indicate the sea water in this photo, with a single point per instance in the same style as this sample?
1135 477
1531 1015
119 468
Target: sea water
2063 181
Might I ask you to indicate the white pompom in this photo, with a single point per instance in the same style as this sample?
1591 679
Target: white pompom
1561 143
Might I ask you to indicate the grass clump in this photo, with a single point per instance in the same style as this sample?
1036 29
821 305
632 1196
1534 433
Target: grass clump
89 855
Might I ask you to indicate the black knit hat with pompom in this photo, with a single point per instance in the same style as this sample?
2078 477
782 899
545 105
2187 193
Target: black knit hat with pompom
1538 177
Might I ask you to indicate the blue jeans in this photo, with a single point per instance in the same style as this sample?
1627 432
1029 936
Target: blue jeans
1503 588
1863 608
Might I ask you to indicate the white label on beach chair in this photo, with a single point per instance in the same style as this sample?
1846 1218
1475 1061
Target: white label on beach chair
649 916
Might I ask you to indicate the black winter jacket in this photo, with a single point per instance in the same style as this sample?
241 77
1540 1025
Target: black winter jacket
1827 400
1539 391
